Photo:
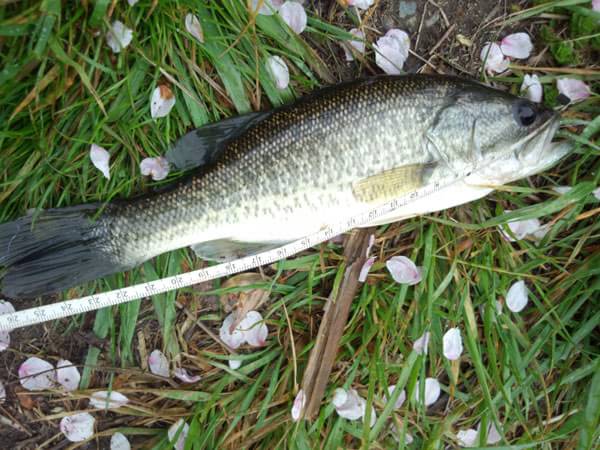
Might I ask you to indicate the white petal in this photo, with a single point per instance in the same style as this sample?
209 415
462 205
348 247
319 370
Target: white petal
184 376
132 2
596 193
493 437
364 271
572 88
348 404
2 392
67 375
118 441
192 25
494 59
596 5
78 427
161 102
100 158
279 71
232 339
401 397
173 429
158 363
5 308
235 364
521 229
391 51
561 189
119 36
358 46
432 391
294 15
299 404
108 400
268 7
157 167
453 347
532 88
35 374
403 270
498 307
517 45
361 4
421 344
373 417
467 438
516 299
254 329
371 243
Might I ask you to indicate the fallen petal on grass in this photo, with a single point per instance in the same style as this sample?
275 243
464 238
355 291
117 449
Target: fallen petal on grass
401 398
421 344
532 88
517 45
119 36
267 7
294 15
298 406
574 89
357 45
364 271
517 298
2 392
108 400
403 270
157 168
184 376
453 347
35 374
161 101
193 26
78 427
361 4
254 329
467 438
118 441
100 158
5 308
432 391
493 58
67 375
391 51
348 404
234 364
158 363
183 429
279 71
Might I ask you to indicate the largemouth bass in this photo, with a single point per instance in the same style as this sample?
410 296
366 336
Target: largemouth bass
272 177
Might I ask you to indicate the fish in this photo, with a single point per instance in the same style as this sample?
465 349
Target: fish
263 179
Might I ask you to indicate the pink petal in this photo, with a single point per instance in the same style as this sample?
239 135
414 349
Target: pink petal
371 243
232 339
432 391
467 438
361 4
184 376
267 7
299 404
391 51
596 5
358 45
254 329
161 101
364 271
108 400
522 229
158 363
294 15
2 392
453 347
403 270
119 36
118 441
173 429
100 158
517 45
157 167
532 88
35 374
78 427
574 89
348 404
67 375
401 398
421 344
279 71
494 59
235 364
517 298
193 26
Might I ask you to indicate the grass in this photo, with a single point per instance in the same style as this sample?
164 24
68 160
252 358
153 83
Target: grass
536 374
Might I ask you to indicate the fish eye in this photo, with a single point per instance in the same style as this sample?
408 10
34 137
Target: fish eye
524 113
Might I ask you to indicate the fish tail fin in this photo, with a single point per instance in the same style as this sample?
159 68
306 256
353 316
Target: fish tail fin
53 250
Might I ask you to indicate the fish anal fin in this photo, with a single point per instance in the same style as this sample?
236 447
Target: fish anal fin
224 250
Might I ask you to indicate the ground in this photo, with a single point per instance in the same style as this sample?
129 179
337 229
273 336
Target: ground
535 373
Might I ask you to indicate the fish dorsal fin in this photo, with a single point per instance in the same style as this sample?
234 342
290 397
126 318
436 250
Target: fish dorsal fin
204 145
224 250
391 183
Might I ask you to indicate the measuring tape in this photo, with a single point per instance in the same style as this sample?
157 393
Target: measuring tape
94 302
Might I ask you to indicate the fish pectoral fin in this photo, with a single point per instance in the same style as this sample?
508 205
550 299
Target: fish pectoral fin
225 250
205 145
391 183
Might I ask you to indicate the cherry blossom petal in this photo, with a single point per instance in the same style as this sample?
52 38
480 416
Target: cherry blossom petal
403 270
119 36
358 45
279 71
132 2
453 347
348 404
432 391
370 246
108 400
364 271
516 298
391 51
161 101
522 229
596 193
574 89
173 429
158 363
118 441
401 398
67 375
421 344
5 308
493 437
184 376
596 5
294 15
361 4
467 438
299 404
157 168
193 26
35 374
267 7
100 158
2 392
78 427
498 307
233 339
254 329
562 190
517 45
532 88
494 59
235 364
